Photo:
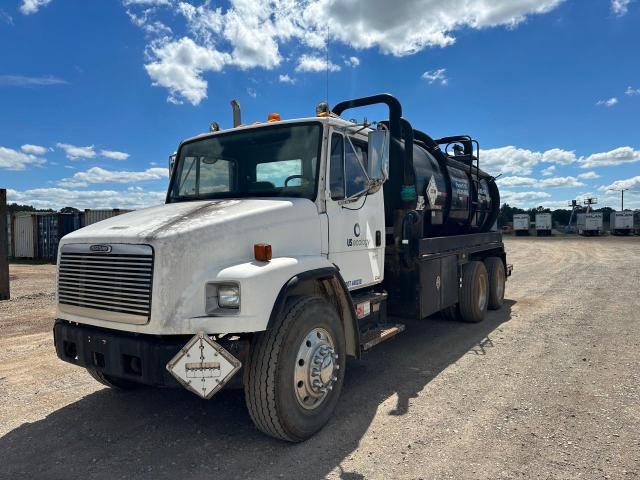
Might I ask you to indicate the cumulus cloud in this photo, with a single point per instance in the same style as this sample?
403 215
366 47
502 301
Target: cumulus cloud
630 91
310 63
250 33
560 182
74 152
523 199
352 62
620 7
548 171
56 198
11 159
589 175
33 149
617 156
436 76
101 175
520 161
515 181
632 183
29 7
114 155
557 155
286 79
610 102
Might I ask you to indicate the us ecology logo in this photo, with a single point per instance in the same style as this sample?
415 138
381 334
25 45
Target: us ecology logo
355 242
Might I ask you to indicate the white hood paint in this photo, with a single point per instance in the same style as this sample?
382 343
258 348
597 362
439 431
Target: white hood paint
197 242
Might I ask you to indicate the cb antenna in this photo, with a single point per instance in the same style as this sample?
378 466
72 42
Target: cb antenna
327 62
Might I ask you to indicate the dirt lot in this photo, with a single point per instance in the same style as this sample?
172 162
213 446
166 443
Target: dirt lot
548 387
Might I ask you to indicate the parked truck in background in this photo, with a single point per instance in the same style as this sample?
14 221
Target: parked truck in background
521 223
543 224
283 248
589 224
621 223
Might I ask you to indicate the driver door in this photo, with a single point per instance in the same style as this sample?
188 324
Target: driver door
356 219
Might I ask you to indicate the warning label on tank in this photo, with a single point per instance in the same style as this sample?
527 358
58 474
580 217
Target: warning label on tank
432 191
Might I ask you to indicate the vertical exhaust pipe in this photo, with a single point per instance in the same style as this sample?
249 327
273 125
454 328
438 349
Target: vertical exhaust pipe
237 119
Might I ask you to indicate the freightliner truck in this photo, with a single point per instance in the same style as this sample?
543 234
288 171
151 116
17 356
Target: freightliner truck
283 248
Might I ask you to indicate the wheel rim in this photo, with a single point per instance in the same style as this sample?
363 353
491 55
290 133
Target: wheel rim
482 292
500 282
316 368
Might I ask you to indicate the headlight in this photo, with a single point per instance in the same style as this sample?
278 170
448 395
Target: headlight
221 297
229 296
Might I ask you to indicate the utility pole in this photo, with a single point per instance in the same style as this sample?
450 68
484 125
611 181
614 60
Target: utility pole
622 190
4 247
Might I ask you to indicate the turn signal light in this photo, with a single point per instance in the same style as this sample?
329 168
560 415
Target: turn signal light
273 117
262 252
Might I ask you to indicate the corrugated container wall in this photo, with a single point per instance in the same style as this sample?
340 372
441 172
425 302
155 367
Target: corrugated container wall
47 236
9 237
24 236
93 216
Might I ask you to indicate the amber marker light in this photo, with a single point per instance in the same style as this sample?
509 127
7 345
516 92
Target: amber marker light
262 252
273 117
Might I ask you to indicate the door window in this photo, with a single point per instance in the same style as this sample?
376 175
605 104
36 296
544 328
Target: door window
355 176
336 167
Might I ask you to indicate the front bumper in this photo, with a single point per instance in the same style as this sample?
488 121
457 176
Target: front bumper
135 357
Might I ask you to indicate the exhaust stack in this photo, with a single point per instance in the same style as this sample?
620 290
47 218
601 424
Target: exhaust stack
237 119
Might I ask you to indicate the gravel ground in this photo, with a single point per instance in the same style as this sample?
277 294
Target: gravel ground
547 387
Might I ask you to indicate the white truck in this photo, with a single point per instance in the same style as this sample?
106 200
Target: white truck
521 224
621 223
283 248
589 224
543 224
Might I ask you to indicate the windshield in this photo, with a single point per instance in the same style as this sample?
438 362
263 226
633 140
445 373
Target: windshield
281 161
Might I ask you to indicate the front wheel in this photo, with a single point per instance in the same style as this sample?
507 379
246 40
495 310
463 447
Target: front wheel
295 371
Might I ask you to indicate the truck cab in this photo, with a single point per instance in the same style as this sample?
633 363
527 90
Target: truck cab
265 267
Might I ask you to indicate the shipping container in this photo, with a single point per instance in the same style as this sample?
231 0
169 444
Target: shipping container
543 224
93 216
47 236
621 223
24 232
521 224
589 223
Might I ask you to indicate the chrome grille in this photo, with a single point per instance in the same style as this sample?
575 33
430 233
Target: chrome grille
119 282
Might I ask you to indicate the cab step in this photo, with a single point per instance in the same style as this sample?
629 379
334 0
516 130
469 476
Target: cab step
373 337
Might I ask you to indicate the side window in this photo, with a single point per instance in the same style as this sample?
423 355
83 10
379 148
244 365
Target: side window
336 167
354 174
277 172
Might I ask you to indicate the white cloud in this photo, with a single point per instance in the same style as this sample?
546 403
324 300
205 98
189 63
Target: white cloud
73 152
509 159
114 155
620 7
286 79
250 33
32 6
33 149
523 199
560 182
252 92
352 62
436 76
630 91
56 198
607 103
24 81
515 181
14 160
178 66
617 156
309 63
557 155
549 171
632 183
589 175
101 175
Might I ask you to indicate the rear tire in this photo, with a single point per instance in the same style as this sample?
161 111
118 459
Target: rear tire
281 392
495 271
474 294
112 382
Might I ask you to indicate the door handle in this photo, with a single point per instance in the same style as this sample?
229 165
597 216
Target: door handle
378 238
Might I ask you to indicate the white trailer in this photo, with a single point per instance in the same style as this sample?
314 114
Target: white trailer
283 248
521 223
543 224
621 223
589 223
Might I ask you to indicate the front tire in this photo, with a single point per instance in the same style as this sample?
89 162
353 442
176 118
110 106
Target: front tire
295 371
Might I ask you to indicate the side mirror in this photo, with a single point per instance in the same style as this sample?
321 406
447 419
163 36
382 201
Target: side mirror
172 162
378 155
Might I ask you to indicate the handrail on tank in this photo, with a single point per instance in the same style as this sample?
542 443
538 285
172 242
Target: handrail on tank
398 126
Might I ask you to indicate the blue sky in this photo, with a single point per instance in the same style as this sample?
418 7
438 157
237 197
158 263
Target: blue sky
96 95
